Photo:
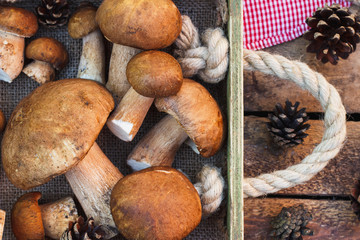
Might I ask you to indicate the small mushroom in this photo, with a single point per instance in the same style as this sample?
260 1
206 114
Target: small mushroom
2 222
194 113
29 220
155 203
48 54
151 74
92 61
2 121
53 131
15 25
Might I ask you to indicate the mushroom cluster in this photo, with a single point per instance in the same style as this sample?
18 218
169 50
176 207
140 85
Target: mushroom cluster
53 130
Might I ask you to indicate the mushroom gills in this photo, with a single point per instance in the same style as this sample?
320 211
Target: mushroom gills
40 71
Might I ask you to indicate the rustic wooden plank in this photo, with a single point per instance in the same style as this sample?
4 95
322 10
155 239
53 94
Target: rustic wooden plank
263 91
332 220
2 222
263 156
235 116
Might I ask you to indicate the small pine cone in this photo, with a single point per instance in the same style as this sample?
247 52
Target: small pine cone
291 223
53 13
81 230
355 198
334 33
287 124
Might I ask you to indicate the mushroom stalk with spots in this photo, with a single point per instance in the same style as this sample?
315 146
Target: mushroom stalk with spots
29 220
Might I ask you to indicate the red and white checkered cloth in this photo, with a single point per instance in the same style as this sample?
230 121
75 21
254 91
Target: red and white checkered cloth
271 22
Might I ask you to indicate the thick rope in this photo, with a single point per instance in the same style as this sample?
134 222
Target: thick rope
210 187
210 61
334 120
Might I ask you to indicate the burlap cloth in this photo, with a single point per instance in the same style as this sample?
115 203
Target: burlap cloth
203 14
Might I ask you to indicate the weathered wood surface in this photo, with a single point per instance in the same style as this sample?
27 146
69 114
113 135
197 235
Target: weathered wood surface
263 156
332 220
2 223
262 92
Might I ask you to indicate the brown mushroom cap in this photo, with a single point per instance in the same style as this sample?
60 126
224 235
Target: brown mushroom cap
154 74
150 24
18 21
52 129
48 50
26 221
82 22
198 113
155 203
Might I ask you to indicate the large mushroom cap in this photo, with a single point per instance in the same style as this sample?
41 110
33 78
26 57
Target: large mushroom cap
18 21
48 50
26 220
154 74
82 22
155 203
52 129
198 113
145 24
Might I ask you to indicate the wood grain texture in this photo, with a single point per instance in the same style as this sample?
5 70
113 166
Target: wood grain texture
332 220
261 92
235 118
263 156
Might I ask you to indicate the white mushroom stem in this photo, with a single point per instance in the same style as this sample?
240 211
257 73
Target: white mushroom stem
2 222
12 56
159 146
127 118
40 71
57 215
120 56
92 181
92 60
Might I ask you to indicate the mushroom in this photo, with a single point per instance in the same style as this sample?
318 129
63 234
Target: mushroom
194 113
2 121
2 222
48 54
151 74
15 25
29 220
155 203
53 131
92 61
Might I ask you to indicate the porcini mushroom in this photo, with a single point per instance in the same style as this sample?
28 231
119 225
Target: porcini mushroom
92 61
48 54
155 203
194 113
15 25
2 121
53 130
151 74
2 222
29 220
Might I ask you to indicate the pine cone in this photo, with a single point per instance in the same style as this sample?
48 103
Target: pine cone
287 125
81 230
291 223
334 33
53 13
355 198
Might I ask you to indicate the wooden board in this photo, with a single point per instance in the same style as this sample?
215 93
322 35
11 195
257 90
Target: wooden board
235 125
332 220
263 156
262 92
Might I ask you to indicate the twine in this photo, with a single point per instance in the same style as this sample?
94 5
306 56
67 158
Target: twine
210 61
210 187
334 120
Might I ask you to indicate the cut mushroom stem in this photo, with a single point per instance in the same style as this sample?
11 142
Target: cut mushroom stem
57 215
12 56
92 60
92 181
2 222
120 57
159 146
127 118
40 71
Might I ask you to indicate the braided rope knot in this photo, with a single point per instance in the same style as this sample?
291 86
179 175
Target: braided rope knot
210 187
209 61
334 121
